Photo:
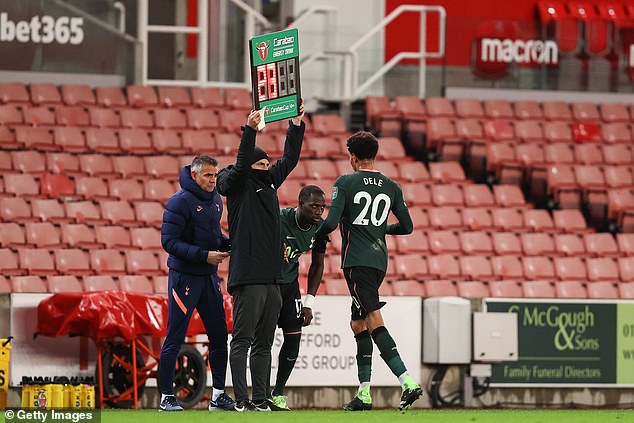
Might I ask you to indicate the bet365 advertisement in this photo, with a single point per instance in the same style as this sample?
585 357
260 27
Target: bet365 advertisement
569 343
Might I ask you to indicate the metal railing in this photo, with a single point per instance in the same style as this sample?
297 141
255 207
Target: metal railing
252 15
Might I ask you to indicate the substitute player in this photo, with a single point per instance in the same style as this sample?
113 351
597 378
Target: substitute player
361 203
298 227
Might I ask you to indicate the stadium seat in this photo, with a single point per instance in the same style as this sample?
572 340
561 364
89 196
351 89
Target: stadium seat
11 235
72 116
532 158
162 167
443 266
104 118
410 266
128 166
79 236
113 237
476 243
538 268
13 92
91 188
142 96
588 154
21 185
49 210
507 267
473 289
570 289
439 106
446 172
118 213
169 119
528 110
411 288
44 94
9 264
70 139
10 114
478 195
602 290
616 133
231 120
78 94
499 130
107 262
161 190
65 163
618 176
96 165
125 189
42 235
626 268
445 218
626 244
202 119
476 219
137 284
502 162
199 141
537 244
110 97
508 196
556 110
56 186
23 161
136 119
83 212
569 245
505 289
135 141
388 169
444 242
585 112
142 263
539 289
8 138
571 221
100 283
28 284
476 268
102 140
538 220
468 108
614 112
146 238
443 139
416 242
391 149
15 210
446 195
68 283
441 288
317 147
602 269
601 245
35 138
174 96
626 290
570 268
506 243
208 97
413 172
328 124
557 132
507 220
5 285
529 131
336 287
498 109
72 261
238 98
382 116
37 261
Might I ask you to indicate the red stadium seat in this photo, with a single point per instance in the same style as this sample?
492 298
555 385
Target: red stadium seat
556 110
202 119
411 266
21 185
538 220
619 154
571 221
72 261
411 288
83 212
142 263
588 154
505 289
570 268
170 119
44 94
508 196
42 235
528 110
107 262
35 138
445 218
382 116
200 141
149 213
336 287
626 269
413 172
65 163
207 97
102 140
118 212
599 290
601 245
13 92
28 284
559 153
15 210
39 116
443 266
9 264
626 290
585 112
502 162
626 244
508 220
96 165
91 188
110 97
56 186
131 118
537 244
49 210
477 219
160 284
113 237
128 166
137 284
174 96
499 130
476 268
447 172
439 106
473 289
164 167
391 149
443 138
328 124
238 98
616 133
79 236
5 285
618 176
78 95
100 283
569 245
447 195
136 141
602 269
469 108
498 109
142 96
538 289
538 268
10 114
161 190
8 138
11 235
63 284
506 243
570 289
416 242
37 262
586 132
125 189
557 132
441 288
478 195
70 139
529 131
614 112
72 116
146 238
23 161
476 243
444 242
104 118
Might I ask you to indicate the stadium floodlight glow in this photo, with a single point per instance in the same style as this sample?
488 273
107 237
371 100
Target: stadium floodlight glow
275 74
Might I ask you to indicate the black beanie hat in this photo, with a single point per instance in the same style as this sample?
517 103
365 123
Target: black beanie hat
258 154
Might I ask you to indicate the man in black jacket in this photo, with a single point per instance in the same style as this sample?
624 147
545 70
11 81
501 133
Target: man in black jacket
257 257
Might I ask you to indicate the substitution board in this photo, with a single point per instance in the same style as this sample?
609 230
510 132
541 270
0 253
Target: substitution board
275 74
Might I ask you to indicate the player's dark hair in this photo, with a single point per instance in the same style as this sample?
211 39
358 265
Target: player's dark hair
200 161
364 145
308 191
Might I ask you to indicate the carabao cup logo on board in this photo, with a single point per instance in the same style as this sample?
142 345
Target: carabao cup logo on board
263 49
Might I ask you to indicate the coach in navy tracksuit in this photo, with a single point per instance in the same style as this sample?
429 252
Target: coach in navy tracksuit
191 235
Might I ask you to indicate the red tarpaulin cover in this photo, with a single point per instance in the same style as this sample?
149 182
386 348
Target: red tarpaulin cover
107 314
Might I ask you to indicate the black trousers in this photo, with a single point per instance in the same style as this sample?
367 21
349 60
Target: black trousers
256 309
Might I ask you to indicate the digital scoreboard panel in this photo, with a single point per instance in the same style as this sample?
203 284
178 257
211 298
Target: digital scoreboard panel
275 74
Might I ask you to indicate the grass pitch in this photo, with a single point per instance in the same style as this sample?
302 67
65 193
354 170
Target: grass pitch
392 416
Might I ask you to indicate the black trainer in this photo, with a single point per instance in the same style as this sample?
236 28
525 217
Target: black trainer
409 396
264 405
357 405
241 406
170 404
223 402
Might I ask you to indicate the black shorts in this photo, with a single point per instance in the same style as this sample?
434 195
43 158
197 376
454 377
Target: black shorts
291 317
363 284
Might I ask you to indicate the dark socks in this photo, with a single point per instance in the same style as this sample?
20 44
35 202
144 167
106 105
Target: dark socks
387 347
288 356
364 356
